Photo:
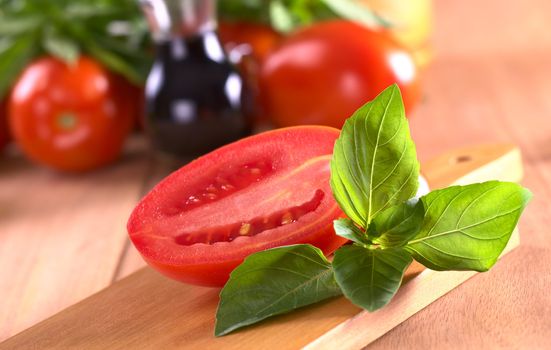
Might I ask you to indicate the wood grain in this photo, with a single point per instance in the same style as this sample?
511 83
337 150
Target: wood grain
507 308
61 236
130 260
489 82
146 310
478 164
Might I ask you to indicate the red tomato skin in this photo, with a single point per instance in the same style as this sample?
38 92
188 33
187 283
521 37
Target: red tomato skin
4 134
261 39
323 73
211 265
71 118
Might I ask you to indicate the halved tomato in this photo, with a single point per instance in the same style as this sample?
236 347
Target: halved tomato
261 192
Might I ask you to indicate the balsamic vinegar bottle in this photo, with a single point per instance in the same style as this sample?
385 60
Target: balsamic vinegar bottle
196 100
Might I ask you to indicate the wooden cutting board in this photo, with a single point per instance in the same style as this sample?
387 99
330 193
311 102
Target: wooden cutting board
146 310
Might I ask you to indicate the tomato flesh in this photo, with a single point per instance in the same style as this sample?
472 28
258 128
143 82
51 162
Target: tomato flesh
264 191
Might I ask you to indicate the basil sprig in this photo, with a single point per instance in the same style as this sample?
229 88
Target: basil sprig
114 32
374 173
288 15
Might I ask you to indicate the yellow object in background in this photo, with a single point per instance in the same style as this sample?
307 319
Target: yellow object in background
411 24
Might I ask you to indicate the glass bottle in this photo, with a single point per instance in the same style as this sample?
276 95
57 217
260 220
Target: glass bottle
196 101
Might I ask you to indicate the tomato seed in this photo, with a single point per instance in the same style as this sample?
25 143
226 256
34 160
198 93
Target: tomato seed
193 199
252 227
221 181
223 185
211 188
287 218
227 187
245 229
210 196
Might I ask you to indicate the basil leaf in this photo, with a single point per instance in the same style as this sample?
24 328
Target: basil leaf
467 227
114 62
370 278
374 163
355 11
83 11
60 47
281 17
396 225
14 56
273 282
347 229
18 25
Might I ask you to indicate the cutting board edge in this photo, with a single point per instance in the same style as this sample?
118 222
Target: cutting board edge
407 302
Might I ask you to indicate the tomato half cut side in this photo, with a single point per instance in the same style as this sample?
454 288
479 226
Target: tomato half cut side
261 192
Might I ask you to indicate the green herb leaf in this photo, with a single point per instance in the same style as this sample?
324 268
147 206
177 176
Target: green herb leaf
281 17
467 227
370 278
355 11
288 15
63 28
14 56
374 163
10 26
347 229
115 62
273 282
81 10
65 49
248 11
395 226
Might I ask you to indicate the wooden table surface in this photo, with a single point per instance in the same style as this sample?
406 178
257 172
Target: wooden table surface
63 238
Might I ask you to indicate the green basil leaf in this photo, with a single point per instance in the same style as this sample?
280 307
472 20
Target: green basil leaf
374 163
58 46
395 226
280 17
115 62
18 25
83 11
273 282
355 11
248 11
370 278
467 227
14 56
347 229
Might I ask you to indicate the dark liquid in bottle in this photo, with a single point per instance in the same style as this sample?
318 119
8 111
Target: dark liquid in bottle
195 99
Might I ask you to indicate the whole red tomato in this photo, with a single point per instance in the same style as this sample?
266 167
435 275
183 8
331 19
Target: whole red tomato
323 73
71 118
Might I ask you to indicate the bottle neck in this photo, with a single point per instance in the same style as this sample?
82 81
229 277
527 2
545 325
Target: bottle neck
205 45
170 19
